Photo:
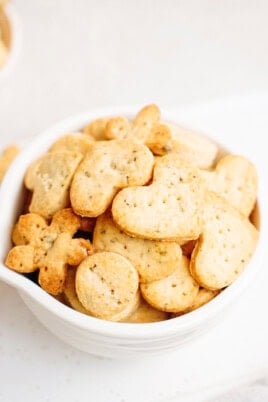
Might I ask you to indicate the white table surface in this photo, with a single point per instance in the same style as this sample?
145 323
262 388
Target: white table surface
79 55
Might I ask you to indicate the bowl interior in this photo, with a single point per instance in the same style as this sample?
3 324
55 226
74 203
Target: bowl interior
12 196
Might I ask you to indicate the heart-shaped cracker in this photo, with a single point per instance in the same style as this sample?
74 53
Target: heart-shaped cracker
110 166
153 259
50 178
167 209
225 246
75 142
48 248
121 128
107 286
6 158
174 294
235 179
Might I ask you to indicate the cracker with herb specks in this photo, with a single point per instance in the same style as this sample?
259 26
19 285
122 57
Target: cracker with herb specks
226 244
107 285
175 293
153 259
50 178
168 209
236 180
75 142
107 168
47 247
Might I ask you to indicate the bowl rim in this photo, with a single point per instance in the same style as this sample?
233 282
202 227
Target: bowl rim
10 187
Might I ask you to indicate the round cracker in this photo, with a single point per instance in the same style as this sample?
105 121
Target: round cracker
106 284
176 293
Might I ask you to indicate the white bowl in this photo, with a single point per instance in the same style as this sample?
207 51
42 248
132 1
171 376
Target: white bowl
90 334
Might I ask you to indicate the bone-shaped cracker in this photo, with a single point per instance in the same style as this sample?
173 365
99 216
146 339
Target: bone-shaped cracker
192 147
96 129
110 166
49 178
225 246
153 259
6 158
235 179
48 248
122 129
107 286
175 293
168 209
75 142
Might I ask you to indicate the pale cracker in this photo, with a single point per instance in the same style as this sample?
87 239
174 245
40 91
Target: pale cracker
174 294
168 209
50 178
193 147
106 284
153 259
145 314
69 292
236 180
110 166
225 246
75 142
203 297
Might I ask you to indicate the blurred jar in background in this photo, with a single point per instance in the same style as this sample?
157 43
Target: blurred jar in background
5 34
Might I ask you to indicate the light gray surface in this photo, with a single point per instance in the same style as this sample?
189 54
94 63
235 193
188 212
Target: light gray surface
82 54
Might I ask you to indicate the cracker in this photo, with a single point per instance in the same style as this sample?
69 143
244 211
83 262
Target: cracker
193 147
203 297
49 178
121 128
96 129
174 294
48 248
152 259
75 142
236 180
69 292
168 209
225 246
107 286
109 167
7 157
145 314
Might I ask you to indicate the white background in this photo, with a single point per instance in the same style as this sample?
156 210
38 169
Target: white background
78 55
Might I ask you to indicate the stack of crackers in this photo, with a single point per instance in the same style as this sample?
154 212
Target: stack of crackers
136 221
